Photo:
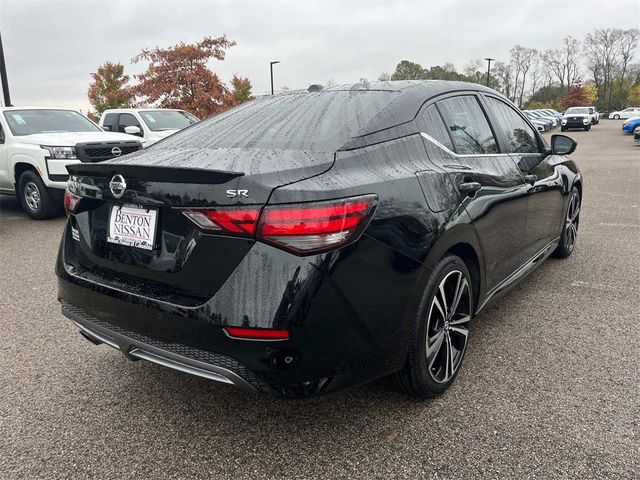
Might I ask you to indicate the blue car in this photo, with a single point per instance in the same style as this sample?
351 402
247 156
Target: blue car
630 125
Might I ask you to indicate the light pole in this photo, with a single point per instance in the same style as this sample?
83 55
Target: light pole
489 60
271 64
3 78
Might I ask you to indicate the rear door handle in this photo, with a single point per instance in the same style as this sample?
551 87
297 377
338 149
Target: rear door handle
469 188
531 179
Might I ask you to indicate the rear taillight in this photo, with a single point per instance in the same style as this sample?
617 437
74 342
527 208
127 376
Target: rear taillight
70 201
315 227
301 228
235 221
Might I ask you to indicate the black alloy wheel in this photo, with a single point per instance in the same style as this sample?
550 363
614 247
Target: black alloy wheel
441 330
569 235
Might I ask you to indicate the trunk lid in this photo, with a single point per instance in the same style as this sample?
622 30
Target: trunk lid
185 266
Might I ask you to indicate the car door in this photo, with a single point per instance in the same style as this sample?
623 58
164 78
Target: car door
544 184
459 139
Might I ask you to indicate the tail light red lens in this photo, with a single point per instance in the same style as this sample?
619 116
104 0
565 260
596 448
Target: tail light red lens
236 221
315 227
302 228
256 333
70 201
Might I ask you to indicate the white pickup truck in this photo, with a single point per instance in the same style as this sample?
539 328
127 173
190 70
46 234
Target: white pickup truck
150 124
37 144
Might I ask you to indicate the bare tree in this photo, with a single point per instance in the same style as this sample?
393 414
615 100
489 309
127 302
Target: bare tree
521 60
473 67
628 45
604 49
537 74
503 72
563 63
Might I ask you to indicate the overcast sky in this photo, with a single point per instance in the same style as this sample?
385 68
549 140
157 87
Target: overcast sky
51 46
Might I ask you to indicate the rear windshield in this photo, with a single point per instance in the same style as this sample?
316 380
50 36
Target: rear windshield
159 120
320 121
28 122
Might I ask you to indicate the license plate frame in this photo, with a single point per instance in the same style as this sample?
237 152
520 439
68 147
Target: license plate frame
133 226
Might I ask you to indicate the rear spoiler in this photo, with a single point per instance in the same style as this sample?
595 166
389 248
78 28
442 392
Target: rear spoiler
153 173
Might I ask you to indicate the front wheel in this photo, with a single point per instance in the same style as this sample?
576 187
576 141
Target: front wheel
440 330
563 129
35 198
587 128
569 234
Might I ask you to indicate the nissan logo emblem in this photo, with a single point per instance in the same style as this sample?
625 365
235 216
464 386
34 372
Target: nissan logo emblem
117 185
116 152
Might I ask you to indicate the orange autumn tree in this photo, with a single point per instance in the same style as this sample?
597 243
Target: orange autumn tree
178 77
109 89
241 91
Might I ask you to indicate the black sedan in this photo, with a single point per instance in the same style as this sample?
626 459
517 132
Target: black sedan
302 243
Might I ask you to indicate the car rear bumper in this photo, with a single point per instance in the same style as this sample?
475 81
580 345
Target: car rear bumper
345 313
135 346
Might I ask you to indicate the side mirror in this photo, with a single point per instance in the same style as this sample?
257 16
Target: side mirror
562 145
133 130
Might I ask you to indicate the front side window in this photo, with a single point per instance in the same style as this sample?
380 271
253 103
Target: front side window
519 135
29 122
127 120
468 126
430 122
110 121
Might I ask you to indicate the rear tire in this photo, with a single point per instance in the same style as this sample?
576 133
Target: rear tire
616 117
587 128
563 129
442 323
569 234
35 198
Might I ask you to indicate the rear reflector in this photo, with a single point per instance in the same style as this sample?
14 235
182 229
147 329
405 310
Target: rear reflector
300 228
70 201
256 333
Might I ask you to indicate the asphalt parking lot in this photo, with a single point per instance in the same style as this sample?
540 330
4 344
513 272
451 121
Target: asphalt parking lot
550 386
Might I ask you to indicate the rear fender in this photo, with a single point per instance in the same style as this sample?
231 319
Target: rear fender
458 237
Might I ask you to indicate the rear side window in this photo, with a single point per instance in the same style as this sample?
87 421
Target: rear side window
520 137
110 121
430 122
467 125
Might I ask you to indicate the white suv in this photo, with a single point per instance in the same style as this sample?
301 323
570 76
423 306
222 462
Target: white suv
150 124
37 144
